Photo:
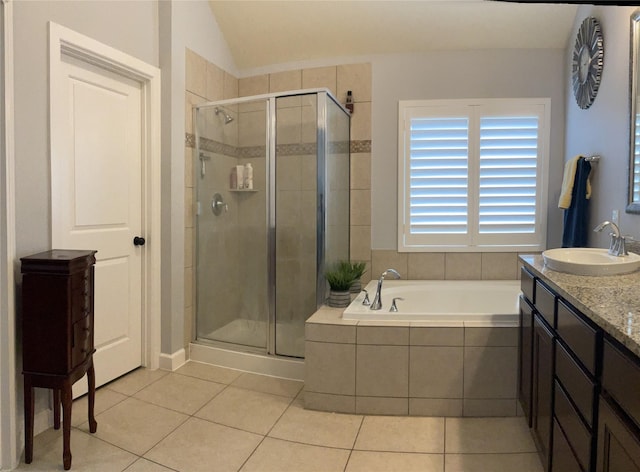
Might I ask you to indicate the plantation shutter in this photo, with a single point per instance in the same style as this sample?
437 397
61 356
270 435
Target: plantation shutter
470 176
439 177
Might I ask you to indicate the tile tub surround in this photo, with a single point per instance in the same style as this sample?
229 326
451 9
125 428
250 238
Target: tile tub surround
411 368
612 302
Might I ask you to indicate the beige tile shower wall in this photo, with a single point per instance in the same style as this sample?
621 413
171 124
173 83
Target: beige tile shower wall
338 79
204 82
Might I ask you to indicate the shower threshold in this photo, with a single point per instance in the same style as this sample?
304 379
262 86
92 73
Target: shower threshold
234 355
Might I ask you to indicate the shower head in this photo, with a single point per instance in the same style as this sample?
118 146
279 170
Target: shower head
227 118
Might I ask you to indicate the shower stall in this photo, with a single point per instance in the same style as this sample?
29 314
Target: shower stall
272 193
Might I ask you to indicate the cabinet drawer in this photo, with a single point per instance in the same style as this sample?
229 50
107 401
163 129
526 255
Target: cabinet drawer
528 284
545 303
563 458
82 343
621 379
577 384
576 432
578 335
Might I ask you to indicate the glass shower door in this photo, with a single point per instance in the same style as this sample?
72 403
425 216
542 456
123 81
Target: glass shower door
311 165
231 227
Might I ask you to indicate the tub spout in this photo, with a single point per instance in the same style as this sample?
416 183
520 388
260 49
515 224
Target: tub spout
377 299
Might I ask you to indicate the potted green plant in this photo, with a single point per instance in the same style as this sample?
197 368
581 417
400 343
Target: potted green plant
357 269
340 278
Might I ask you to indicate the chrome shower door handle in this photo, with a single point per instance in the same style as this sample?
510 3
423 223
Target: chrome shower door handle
218 204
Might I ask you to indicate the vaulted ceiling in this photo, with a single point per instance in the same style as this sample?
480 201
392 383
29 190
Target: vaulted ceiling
263 33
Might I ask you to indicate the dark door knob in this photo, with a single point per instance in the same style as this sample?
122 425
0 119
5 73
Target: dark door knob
138 241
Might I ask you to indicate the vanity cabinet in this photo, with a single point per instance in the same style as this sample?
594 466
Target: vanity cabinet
619 411
525 347
564 371
542 388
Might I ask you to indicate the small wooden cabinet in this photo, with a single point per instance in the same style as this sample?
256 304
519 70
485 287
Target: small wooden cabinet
57 334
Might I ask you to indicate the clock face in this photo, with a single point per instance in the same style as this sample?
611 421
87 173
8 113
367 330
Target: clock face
588 61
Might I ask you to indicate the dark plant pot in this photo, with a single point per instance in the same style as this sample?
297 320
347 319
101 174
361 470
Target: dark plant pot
339 299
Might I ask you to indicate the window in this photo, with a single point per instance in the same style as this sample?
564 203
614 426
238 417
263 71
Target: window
471 175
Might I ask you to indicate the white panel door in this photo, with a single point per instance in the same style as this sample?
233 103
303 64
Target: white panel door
97 202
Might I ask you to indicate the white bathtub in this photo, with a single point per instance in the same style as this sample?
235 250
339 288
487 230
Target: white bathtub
445 302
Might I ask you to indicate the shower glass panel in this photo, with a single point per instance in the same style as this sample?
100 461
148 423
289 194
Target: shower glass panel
338 180
261 252
296 222
231 239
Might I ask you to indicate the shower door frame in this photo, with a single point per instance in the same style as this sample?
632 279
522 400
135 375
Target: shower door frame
323 95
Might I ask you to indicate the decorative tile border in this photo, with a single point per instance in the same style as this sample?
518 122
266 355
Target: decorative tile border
298 149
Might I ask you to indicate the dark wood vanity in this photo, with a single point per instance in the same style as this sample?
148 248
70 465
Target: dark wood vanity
57 335
579 387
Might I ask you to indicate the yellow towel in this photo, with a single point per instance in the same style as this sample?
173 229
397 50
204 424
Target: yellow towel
567 183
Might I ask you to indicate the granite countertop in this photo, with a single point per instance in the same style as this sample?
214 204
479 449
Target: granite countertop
612 302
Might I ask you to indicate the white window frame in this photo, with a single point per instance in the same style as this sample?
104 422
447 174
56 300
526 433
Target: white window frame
472 241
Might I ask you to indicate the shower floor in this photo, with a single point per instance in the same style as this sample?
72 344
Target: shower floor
289 336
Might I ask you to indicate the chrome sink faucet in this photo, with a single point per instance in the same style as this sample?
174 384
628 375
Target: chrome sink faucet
377 299
617 246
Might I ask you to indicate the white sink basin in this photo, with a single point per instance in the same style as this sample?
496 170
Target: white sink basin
590 261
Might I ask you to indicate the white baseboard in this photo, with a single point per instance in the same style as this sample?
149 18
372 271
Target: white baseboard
173 361
42 421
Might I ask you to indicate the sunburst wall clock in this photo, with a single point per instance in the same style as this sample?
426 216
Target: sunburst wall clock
588 62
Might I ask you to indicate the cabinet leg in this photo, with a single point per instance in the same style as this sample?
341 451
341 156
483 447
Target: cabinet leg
66 424
56 408
91 380
28 421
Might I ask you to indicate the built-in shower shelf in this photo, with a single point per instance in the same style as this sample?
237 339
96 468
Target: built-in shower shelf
243 190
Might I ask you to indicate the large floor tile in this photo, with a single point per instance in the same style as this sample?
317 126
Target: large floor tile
317 427
275 455
136 426
401 434
488 435
248 410
180 392
209 372
265 384
88 454
135 381
200 445
369 461
492 462
105 399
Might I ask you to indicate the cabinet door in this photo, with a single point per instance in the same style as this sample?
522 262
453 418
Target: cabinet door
618 442
526 354
542 388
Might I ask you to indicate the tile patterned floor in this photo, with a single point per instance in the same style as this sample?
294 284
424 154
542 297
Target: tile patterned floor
206 418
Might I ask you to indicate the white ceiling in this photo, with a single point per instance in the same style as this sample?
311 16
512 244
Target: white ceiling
265 32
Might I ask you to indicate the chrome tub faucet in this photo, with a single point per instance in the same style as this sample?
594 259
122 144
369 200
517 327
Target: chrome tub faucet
377 299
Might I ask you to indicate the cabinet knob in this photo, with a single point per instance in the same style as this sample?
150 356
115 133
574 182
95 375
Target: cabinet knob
138 241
